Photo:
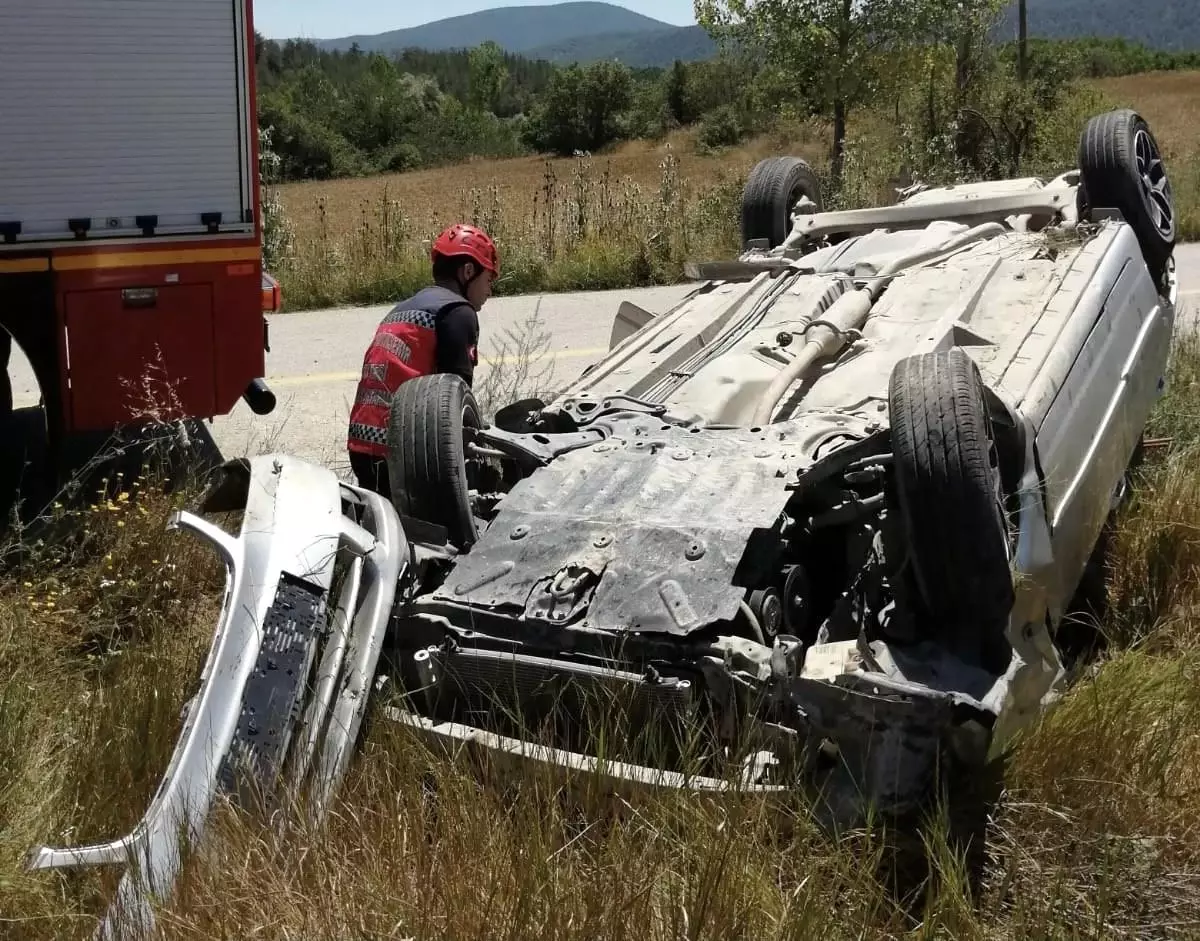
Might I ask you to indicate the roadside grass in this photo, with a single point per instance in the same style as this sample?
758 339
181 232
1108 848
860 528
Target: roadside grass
101 639
635 216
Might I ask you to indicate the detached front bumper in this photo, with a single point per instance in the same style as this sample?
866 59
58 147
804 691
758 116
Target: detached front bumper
300 521
856 728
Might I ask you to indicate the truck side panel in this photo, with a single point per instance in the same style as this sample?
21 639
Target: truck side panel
168 333
130 115
128 178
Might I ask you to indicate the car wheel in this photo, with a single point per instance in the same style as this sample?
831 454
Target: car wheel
950 501
426 460
772 191
1122 168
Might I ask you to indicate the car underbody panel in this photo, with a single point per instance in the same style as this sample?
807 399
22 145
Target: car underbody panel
813 530
1005 300
645 531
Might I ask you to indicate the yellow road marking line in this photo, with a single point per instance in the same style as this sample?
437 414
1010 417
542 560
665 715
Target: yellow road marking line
335 377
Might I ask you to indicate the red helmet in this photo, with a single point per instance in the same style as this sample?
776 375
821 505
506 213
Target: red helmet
468 241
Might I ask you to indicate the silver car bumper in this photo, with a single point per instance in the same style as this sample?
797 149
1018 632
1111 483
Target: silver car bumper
296 525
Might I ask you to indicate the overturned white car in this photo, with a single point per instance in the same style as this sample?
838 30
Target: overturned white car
815 527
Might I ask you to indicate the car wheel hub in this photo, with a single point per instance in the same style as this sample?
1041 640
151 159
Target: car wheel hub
1156 188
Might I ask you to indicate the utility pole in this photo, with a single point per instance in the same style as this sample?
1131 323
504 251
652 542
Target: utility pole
1022 42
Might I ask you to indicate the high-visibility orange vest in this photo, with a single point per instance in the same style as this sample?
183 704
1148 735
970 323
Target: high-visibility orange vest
404 347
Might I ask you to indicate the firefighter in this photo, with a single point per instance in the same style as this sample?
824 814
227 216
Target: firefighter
436 330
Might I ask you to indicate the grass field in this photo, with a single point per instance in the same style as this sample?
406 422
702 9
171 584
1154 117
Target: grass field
1095 837
632 217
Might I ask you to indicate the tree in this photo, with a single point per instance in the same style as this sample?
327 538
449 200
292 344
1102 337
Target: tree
580 108
677 93
489 75
964 27
607 91
829 49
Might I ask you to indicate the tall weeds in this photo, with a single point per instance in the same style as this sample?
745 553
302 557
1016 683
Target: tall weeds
589 231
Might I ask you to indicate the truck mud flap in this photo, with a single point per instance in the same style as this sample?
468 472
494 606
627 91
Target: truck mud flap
280 574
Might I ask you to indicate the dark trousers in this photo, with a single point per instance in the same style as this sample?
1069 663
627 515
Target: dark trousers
372 473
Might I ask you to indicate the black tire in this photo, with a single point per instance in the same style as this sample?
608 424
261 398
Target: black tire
426 460
1121 168
772 190
274 697
947 492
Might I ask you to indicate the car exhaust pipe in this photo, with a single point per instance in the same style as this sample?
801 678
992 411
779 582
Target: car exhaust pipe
259 397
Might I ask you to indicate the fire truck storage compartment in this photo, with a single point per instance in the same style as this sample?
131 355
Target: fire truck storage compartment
124 118
136 349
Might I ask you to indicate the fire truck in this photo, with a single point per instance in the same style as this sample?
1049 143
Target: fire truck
131 271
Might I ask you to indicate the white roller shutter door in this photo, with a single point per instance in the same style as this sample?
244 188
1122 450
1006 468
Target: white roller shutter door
114 109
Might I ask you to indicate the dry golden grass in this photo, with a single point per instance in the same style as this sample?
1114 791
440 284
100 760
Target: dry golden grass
1170 101
634 216
1095 837
433 198
629 218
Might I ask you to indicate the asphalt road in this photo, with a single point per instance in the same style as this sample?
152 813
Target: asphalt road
316 356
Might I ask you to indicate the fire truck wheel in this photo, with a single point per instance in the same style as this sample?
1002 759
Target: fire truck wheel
6 395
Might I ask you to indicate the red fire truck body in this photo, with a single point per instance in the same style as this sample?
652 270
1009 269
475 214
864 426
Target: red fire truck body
130 230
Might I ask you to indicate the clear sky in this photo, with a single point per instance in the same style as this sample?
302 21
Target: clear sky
329 19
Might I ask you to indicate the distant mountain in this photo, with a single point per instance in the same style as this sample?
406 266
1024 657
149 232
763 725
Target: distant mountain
516 29
586 30
659 48
1169 25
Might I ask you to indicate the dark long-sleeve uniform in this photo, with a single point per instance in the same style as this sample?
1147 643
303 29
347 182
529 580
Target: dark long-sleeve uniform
458 341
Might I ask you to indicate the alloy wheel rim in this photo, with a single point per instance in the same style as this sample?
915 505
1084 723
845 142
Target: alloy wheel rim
1156 187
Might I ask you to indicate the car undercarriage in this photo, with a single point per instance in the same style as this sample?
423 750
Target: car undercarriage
813 529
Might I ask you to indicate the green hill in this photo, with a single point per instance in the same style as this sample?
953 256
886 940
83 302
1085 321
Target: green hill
1171 25
659 48
586 30
516 29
